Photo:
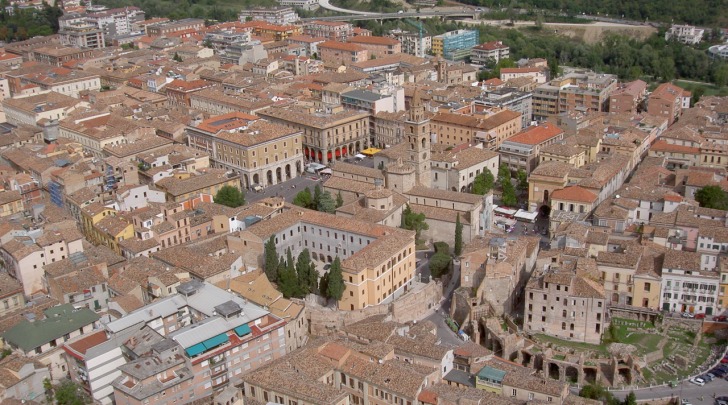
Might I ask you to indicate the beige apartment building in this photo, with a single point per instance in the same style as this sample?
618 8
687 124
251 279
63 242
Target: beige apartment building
565 305
378 262
326 136
342 53
261 152
457 129
379 47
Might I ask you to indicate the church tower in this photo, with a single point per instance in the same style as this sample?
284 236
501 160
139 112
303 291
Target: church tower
417 129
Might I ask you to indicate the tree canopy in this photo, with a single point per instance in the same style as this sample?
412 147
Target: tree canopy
70 393
413 221
230 196
712 197
483 183
458 249
271 260
326 203
304 198
335 281
306 273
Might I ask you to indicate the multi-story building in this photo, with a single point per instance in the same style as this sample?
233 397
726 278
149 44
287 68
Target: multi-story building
536 74
275 31
377 261
59 79
274 15
521 151
82 35
575 91
11 294
58 55
26 254
371 102
388 128
331 30
261 152
507 98
454 45
42 339
23 379
97 130
308 5
687 34
668 101
11 203
205 336
184 186
117 22
686 287
489 53
179 91
326 136
378 47
215 102
561 303
342 53
455 168
192 24
627 97
412 43
490 131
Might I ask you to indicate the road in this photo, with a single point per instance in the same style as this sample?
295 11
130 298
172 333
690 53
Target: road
325 4
685 390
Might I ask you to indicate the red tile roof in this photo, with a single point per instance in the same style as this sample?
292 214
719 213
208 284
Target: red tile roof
373 40
536 134
663 146
341 46
491 46
88 341
574 193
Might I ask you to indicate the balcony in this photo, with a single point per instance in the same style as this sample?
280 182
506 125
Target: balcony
223 381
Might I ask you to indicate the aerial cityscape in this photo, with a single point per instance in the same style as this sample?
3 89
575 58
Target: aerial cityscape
363 202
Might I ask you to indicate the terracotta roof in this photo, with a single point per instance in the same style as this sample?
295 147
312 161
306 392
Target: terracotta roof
341 46
373 40
536 134
574 193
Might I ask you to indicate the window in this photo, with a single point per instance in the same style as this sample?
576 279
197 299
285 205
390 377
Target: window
513 394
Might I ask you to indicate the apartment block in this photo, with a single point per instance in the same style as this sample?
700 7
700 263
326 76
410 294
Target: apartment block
331 30
628 97
11 294
507 98
166 28
488 130
490 53
261 152
274 15
667 101
563 304
687 34
378 47
521 151
342 53
184 186
411 42
454 45
686 286
536 74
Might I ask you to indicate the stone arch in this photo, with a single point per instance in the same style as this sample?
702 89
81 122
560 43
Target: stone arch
246 181
424 142
462 189
256 179
554 371
298 168
279 175
329 259
590 375
269 177
544 210
454 189
357 146
572 374
626 374
527 357
288 171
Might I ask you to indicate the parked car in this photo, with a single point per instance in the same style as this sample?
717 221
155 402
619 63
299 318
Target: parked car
685 402
708 377
724 360
687 315
697 381
699 316
720 318
720 402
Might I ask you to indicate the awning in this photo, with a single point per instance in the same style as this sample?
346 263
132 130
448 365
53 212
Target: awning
370 151
195 350
216 341
360 156
242 330
326 171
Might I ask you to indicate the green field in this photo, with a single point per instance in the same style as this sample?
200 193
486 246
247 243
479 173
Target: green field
707 88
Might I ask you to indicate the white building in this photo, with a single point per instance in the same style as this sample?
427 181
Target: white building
304 4
273 15
490 52
687 34
686 286
457 168
136 197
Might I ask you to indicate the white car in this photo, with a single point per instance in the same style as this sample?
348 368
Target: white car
697 381
685 402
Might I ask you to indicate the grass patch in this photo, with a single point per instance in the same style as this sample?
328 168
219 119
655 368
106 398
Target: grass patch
708 89
574 345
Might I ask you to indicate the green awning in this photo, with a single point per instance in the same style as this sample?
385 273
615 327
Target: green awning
195 350
242 330
491 374
216 341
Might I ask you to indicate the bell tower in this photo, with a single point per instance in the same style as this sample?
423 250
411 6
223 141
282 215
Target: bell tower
417 129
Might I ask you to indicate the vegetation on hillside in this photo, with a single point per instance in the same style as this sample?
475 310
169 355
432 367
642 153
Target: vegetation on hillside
20 24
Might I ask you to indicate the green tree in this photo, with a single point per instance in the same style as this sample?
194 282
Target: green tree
287 279
504 174
230 196
69 393
335 288
326 203
306 273
631 399
324 285
720 75
508 198
458 236
483 183
339 199
696 94
176 57
522 181
599 393
271 260
413 221
316 196
712 197
304 198
439 264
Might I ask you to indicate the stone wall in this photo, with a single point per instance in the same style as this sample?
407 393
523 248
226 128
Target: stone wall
693 325
411 306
